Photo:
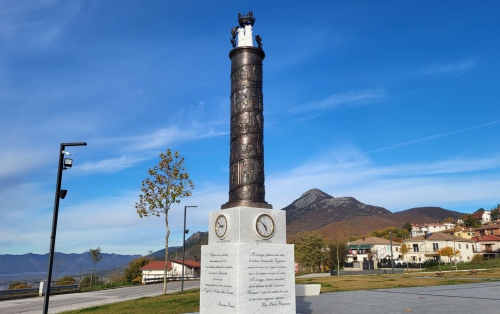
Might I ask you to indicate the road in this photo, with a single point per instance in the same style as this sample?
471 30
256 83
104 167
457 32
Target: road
74 301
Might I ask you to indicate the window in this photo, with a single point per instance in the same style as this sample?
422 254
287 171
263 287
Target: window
415 247
467 246
435 246
459 246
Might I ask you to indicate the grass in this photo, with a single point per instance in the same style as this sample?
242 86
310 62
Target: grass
188 301
416 279
175 303
109 286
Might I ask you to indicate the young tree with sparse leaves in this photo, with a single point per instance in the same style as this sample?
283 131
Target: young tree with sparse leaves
405 248
95 255
448 252
167 184
338 250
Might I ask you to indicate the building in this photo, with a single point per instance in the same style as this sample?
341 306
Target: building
423 229
424 248
370 248
462 232
487 245
154 271
493 229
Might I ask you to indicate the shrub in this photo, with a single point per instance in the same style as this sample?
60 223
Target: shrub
86 281
18 285
477 258
133 270
66 280
137 279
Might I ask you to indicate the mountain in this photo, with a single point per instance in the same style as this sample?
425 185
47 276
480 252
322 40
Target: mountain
316 209
31 264
437 213
362 226
193 248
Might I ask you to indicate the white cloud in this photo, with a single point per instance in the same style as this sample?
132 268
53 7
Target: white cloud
351 98
428 138
460 67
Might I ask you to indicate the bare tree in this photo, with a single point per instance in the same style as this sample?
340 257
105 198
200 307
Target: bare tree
58 260
167 184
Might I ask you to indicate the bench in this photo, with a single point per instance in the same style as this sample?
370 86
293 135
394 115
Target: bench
307 290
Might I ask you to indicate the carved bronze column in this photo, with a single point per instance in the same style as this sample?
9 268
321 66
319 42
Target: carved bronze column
246 165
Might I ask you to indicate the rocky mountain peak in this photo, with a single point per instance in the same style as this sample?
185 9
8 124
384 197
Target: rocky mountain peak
310 197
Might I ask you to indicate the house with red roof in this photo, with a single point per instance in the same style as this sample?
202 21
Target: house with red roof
154 271
487 245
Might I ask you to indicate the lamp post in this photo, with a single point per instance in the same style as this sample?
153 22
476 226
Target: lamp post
184 246
64 163
392 258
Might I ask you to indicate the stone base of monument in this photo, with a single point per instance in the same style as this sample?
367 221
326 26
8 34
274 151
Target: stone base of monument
243 272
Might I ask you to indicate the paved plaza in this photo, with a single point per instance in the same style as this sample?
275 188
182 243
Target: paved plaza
464 298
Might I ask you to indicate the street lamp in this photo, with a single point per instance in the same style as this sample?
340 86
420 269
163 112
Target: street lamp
184 246
64 163
392 258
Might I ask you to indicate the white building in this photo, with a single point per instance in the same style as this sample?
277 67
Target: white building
424 248
154 271
371 247
423 229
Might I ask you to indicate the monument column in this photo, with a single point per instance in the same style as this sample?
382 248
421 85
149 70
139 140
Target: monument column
247 267
246 161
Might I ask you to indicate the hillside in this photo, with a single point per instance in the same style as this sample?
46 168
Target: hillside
316 209
28 264
437 213
193 248
362 226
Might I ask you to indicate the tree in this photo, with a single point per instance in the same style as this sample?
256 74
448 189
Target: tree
408 226
167 184
450 220
405 248
397 234
134 268
309 249
472 222
449 252
494 212
338 250
58 260
95 255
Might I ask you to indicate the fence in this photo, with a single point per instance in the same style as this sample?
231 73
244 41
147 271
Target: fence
5 294
169 278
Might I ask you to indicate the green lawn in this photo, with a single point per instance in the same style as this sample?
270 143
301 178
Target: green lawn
188 301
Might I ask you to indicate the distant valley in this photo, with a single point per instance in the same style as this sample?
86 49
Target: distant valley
314 210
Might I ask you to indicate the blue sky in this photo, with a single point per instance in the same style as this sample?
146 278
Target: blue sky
394 103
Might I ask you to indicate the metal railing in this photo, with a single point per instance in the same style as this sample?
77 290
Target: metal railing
170 278
36 290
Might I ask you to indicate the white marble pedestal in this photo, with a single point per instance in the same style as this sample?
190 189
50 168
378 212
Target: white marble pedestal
243 272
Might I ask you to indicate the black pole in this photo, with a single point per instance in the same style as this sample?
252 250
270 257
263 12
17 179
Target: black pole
184 247
392 257
54 222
